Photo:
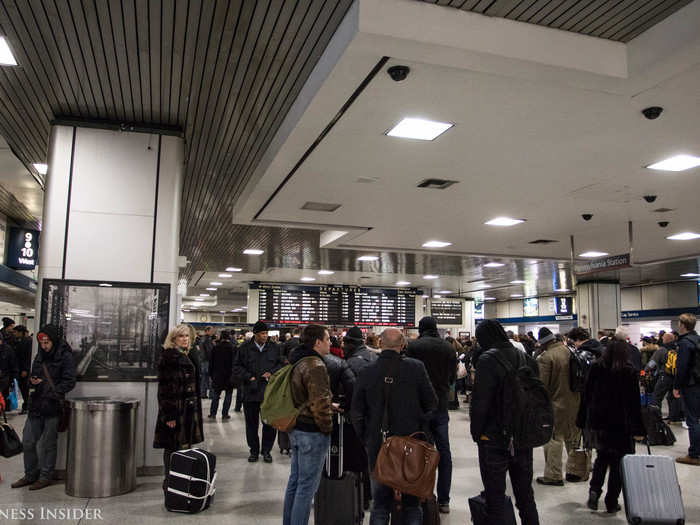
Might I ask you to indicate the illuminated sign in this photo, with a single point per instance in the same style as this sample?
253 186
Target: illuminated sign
23 249
564 306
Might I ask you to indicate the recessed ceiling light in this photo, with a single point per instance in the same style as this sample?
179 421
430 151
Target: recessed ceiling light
252 251
212 289
426 297
185 310
676 163
204 295
517 282
106 285
244 307
225 275
489 298
516 295
41 168
446 291
215 283
690 275
325 272
198 299
437 296
436 244
431 276
402 283
368 258
685 236
308 279
504 221
418 128
562 290
6 56
593 254
493 265
484 286
233 269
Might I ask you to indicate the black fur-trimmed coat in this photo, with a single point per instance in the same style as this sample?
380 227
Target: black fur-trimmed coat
179 400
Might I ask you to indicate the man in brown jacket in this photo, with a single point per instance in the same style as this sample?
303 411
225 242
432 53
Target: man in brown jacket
311 436
554 373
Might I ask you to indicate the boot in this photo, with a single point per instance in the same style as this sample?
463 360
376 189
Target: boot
593 497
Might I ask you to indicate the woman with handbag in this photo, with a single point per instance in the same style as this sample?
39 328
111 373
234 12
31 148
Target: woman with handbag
51 378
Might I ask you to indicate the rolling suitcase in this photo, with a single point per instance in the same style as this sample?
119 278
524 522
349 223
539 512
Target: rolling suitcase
651 491
191 481
477 508
338 500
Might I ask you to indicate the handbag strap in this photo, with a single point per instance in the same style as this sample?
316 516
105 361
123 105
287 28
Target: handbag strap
392 376
48 377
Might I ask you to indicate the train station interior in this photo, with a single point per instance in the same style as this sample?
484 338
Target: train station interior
347 163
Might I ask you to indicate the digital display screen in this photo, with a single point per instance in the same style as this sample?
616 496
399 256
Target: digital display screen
336 305
531 307
446 312
23 249
564 305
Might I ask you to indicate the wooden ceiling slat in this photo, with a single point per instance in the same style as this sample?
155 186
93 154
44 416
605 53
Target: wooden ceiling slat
191 38
502 7
116 19
166 57
656 12
559 12
614 16
583 15
35 147
535 9
178 46
154 30
519 9
143 43
652 20
538 17
105 32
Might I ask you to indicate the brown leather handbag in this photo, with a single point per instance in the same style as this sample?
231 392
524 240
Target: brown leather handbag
404 463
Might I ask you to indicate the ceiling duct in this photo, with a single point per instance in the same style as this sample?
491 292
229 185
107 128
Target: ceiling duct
320 206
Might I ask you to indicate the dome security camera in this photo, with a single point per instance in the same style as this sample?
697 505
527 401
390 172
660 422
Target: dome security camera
398 73
587 216
663 224
650 198
653 112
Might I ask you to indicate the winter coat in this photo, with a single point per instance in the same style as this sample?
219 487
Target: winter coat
688 361
221 365
311 390
178 400
554 373
288 347
206 346
8 368
440 361
610 408
253 363
44 400
413 400
635 357
342 379
593 347
359 357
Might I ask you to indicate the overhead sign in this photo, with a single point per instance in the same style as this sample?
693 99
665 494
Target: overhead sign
446 312
604 264
22 249
531 307
563 305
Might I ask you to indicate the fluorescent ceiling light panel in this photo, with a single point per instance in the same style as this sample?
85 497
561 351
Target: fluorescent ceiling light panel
445 291
225 275
204 295
437 296
676 163
212 289
562 290
402 283
326 272
215 283
234 269
493 265
690 275
41 168
516 295
593 254
517 282
368 258
489 298
685 236
106 285
253 251
308 279
198 299
504 221
436 244
6 56
418 128
430 276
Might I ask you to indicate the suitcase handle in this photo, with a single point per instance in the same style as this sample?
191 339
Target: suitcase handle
329 455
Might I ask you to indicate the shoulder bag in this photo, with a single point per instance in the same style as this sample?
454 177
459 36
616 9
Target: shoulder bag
63 408
10 443
404 463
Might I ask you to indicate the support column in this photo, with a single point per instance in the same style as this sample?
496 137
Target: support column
598 306
112 214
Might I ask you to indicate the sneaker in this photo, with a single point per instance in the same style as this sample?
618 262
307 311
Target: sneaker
593 498
38 485
552 482
267 457
685 425
687 460
252 458
22 482
444 508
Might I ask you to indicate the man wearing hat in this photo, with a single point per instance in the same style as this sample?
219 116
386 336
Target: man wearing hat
355 352
554 373
256 361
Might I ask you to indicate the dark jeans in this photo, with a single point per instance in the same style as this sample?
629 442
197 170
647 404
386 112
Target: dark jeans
604 460
663 389
383 497
439 427
252 423
494 462
23 383
204 383
691 401
40 443
215 402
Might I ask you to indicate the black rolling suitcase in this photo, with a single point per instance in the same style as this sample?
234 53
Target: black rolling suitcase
477 508
651 490
338 500
191 481
658 432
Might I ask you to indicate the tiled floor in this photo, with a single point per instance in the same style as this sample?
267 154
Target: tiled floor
252 494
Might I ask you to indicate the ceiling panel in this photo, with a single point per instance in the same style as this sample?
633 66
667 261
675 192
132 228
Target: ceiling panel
612 19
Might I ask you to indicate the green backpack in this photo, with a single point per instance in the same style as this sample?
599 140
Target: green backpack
278 409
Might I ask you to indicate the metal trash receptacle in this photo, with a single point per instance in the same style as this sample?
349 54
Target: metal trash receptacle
101 458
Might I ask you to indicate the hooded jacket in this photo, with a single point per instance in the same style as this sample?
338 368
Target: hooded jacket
688 361
440 360
311 390
593 347
358 357
43 399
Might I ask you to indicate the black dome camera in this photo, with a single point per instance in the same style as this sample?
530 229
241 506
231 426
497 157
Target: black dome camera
587 216
653 112
663 224
398 73
650 198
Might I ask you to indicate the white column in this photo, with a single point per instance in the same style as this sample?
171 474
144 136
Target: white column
598 306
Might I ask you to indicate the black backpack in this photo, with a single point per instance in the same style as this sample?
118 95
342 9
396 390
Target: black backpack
578 370
526 410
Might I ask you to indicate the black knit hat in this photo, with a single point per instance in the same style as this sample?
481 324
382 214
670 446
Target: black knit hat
260 326
353 335
545 335
427 324
490 334
6 321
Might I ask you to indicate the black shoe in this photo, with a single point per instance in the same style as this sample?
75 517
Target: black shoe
593 498
267 457
552 482
612 509
212 416
236 409
252 458
573 478
226 417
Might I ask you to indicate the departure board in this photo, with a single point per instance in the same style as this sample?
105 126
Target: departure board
336 305
446 312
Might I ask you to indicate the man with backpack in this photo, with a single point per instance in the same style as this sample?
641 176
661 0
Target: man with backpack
503 433
686 384
664 364
555 374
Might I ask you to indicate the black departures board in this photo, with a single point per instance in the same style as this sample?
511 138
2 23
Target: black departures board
446 312
336 305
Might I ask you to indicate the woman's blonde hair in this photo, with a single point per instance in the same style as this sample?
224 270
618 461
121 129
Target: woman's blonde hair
181 329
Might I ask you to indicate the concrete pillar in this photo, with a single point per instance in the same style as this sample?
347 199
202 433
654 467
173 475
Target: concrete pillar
112 213
598 305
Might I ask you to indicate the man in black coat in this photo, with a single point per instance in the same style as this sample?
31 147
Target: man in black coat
256 361
23 353
206 345
52 377
355 352
412 399
292 343
440 360
8 368
686 384
221 372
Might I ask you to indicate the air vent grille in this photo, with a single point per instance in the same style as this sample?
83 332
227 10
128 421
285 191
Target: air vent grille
320 206
542 241
663 210
436 184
